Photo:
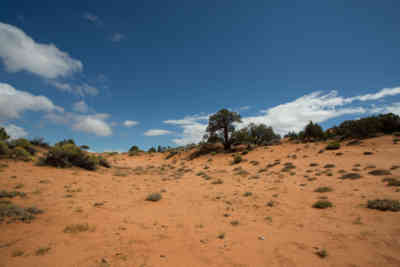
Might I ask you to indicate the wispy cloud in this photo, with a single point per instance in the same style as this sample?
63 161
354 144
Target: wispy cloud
91 18
14 102
156 132
80 106
19 52
117 37
79 89
129 123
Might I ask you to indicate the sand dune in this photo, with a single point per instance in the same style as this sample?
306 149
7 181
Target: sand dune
252 216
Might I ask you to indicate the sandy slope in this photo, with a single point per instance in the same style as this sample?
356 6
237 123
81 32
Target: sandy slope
182 229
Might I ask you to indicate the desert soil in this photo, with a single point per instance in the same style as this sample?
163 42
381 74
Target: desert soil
199 222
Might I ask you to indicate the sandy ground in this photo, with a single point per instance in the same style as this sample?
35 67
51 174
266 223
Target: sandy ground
185 228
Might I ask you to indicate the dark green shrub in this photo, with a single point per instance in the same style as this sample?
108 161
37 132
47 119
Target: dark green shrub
65 142
104 162
151 150
134 149
171 154
23 143
351 176
322 204
69 155
313 131
85 147
384 204
39 142
3 134
154 197
20 154
379 172
333 146
4 150
237 159
323 189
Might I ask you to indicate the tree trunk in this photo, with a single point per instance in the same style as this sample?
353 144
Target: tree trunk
227 144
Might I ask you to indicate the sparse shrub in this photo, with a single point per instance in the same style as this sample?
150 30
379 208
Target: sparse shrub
384 204
85 147
321 253
65 142
76 228
235 223
218 181
313 131
23 143
39 142
247 194
68 155
152 150
154 197
4 150
322 204
367 153
323 189
42 250
17 213
350 176
397 134
245 152
3 134
237 159
333 146
329 166
379 172
104 162
20 154
171 154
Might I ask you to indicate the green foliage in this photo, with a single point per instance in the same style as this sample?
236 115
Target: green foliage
4 150
23 143
258 134
104 162
154 197
85 147
322 204
171 154
368 127
3 134
39 142
384 204
313 131
20 153
69 155
333 146
134 149
237 159
151 150
65 142
221 125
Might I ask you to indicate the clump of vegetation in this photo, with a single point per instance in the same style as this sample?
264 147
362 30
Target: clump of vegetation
333 146
237 159
42 250
247 194
391 181
350 176
322 204
379 172
17 213
329 166
4 150
384 204
235 223
218 181
40 143
154 197
171 154
11 194
76 228
322 253
323 189
258 134
68 155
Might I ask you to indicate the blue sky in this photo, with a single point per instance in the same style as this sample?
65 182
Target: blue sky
113 74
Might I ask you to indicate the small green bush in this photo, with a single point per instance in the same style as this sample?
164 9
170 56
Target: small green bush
333 146
4 150
20 153
154 197
323 189
69 155
384 204
24 143
322 204
237 159
351 176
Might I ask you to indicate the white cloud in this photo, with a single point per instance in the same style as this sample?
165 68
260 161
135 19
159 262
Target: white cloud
80 106
194 128
94 124
81 89
117 37
19 52
382 93
91 17
14 131
393 108
245 108
129 123
14 102
156 132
